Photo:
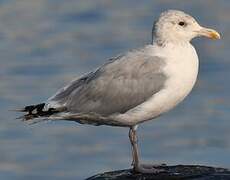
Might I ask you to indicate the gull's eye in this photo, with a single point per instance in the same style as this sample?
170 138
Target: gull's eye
182 23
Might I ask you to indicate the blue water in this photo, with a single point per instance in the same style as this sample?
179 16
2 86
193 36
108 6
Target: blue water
46 43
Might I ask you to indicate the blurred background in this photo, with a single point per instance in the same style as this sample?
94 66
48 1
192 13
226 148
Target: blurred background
46 43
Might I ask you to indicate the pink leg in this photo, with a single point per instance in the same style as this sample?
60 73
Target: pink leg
142 168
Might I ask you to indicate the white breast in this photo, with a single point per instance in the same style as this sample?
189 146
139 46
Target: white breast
181 69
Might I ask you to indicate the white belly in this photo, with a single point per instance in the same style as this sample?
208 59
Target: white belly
182 73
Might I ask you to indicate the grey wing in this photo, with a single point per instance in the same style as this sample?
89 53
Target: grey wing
116 87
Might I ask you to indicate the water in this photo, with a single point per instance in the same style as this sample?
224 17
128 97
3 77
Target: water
46 43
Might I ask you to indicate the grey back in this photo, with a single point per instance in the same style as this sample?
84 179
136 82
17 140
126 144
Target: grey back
116 87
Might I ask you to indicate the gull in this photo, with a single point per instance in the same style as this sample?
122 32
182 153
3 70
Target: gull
134 87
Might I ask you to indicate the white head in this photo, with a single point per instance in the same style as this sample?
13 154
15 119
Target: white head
177 26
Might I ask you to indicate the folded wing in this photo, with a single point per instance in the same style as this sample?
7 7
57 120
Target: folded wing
118 86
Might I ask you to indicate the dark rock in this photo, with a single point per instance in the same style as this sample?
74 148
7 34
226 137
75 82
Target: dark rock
187 172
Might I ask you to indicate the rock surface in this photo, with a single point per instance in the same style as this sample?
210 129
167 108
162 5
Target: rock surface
187 172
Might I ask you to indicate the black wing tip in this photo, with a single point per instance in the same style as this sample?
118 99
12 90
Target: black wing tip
30 108
36 111
33 111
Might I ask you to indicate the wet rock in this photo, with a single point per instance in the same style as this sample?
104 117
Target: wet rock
185 172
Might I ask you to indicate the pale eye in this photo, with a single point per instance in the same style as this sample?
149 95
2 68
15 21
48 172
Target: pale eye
182 23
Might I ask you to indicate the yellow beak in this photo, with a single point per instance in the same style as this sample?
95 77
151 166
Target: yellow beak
210 33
